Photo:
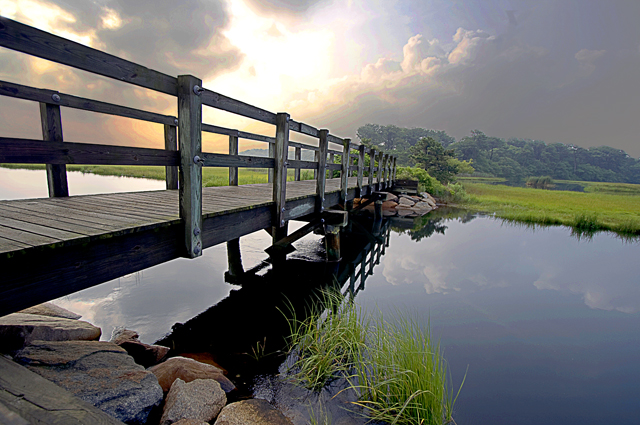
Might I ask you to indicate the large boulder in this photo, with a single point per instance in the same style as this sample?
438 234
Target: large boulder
19 329
189 370
52 310
201 399
406 201
144 354
255 411
388 205
100 373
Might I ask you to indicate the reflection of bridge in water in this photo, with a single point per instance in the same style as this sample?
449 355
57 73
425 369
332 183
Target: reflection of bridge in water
247 332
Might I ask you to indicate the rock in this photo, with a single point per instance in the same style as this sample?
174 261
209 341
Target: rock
431 203
406 202
189 370
143 354
422 205
51 310
387 205
404 212
190 422
201 399
19 329
386 196
255 411
100 373
389 213
428 196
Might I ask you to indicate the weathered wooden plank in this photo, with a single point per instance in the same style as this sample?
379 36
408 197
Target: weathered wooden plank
233 150
219 101
272 152
321 172
190 122
50 222
231 226
224 160
372 160
130 208
25 237
333 139
219 130
344 175
26 39
52 132
61 99
37 400
37 229
303 128
361 149
29 151
306 165
256 137
280 170
7 245
302 146
171 144
298 157
41 217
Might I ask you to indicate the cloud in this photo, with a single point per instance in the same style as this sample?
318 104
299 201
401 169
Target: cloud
587 59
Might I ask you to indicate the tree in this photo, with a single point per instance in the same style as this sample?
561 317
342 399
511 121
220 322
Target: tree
435 159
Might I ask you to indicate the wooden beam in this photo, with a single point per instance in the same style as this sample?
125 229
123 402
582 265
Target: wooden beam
379 176
272 153
190 137
321 179
219 101
219 130
243 161
280 170
55 98
344 175
372 164
52 132
385 159
32 41
171 144
361 149
30 151
233 150
298 157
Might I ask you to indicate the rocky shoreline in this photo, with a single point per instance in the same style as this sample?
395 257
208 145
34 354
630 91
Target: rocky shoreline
403 205
131 381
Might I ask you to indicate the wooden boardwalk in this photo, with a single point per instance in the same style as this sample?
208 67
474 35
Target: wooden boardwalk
56 246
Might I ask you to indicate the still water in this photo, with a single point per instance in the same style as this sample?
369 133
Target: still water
548 325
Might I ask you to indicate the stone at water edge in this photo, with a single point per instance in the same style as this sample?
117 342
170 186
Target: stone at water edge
188 370
389 213
190 422
406 202
255 411
51 310
18 330
144 354
387 196
201 399
422 206
405 212
100 373
387 205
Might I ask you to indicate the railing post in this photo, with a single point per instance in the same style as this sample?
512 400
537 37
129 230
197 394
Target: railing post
51 121
379 173
298 157
190 139
395 168
171 144
385 161
321 178
233 150
316 158
280 170
372 165
344 176
272 152
361 149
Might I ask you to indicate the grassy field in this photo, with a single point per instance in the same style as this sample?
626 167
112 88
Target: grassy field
210 176
603 206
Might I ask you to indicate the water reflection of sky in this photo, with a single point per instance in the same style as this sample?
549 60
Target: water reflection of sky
547 324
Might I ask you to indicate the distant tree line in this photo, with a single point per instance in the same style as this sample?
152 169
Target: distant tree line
514 159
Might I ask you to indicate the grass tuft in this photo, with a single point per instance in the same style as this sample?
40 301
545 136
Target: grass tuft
398 372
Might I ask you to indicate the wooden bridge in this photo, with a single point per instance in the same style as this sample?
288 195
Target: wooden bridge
55 246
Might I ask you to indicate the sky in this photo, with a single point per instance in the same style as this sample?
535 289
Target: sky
562 71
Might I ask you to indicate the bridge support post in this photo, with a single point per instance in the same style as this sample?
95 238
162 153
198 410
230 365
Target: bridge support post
51 121
344 175
233 150
372 167
335 220
361 149
280 176
234 258
171 144
321 179
190 172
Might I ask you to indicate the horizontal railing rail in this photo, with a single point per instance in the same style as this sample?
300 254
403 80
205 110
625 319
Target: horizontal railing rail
182 155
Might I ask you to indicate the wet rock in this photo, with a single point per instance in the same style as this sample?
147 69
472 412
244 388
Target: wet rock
405 212
388 205
201 399
386 196
389 213
144 354
100 373
256 411
51 310
189 370
406 201
428 196
18 330
190 422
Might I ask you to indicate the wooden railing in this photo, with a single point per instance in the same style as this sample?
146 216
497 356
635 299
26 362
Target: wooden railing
182 156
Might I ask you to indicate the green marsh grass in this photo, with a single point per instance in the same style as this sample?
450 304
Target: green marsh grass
397 371
591 211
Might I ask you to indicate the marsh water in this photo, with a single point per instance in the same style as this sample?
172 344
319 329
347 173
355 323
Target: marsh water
545 325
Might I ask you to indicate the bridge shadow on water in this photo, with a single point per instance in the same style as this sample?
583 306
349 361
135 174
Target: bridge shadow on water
246 333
